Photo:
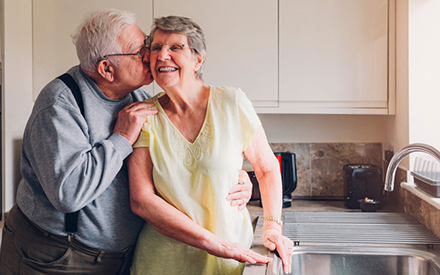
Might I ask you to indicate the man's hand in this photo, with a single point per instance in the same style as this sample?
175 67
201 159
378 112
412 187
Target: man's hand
131 119
241 193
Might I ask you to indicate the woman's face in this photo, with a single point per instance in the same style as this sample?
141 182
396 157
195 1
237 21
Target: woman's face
171 60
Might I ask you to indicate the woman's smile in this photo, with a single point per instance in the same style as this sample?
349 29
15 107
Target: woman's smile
167 69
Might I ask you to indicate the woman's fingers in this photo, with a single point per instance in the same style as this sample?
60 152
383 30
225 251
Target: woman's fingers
253 258
273 239
237 252
269 244
287 260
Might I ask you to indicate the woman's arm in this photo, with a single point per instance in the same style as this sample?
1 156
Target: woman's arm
267 171
171 222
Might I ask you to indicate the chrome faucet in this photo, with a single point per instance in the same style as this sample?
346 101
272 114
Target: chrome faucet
395 160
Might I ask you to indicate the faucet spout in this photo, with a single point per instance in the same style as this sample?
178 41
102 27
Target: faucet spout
395 160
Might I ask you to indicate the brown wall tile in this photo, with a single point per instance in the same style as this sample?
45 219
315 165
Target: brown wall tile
425 213
319 165
328 159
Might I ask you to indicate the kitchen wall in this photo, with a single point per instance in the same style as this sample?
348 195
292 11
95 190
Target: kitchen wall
320 165
424 71
397 126
17 89
417 97
18 94
325 128
1 31
1 77
417 72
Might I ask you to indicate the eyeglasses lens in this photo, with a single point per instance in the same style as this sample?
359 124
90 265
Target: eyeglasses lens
156 48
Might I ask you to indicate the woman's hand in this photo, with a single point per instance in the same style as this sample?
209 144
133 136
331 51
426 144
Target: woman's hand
229 250
272 239
241 193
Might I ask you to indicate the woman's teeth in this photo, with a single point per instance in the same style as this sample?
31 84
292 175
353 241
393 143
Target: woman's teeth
167 69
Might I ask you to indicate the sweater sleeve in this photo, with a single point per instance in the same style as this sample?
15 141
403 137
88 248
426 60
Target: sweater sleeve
71 171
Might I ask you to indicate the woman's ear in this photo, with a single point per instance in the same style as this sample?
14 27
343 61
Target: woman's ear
106 70
199 61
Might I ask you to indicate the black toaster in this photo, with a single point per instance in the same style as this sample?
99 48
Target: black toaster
361 181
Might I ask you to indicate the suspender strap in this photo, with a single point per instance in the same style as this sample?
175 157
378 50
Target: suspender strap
71 219
71 83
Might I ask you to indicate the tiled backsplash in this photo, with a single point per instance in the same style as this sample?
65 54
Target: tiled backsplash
319 165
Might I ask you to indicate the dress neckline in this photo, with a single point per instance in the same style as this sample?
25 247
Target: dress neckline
208 107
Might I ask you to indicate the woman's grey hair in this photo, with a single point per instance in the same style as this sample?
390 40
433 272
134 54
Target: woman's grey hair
183 25
98 34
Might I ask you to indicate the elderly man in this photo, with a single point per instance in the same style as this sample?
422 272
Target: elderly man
81 129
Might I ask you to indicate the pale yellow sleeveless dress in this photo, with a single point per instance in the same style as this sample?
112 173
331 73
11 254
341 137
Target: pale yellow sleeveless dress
196 178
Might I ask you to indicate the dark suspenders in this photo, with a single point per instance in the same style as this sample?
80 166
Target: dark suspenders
71 83
71 219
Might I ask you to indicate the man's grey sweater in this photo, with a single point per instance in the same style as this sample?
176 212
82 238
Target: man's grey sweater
72 162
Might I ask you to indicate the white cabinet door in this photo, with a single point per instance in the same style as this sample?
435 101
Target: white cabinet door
242 43
53 23
333 56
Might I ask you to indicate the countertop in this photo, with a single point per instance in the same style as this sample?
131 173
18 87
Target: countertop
298 205
314 205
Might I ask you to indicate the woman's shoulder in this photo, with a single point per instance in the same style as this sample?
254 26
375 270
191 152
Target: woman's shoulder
226 93
225 89
155 101
155 98
232 95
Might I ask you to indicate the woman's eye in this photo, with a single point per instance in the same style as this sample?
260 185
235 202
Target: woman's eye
156 49
176 48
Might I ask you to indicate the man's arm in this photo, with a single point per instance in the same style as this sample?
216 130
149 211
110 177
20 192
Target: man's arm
71 170
241 193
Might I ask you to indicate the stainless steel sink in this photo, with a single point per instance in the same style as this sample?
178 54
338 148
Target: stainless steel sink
346 260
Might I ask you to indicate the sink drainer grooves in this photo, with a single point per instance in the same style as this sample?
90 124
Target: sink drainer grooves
356 227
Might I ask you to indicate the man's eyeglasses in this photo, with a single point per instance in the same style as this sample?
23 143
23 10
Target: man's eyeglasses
139 54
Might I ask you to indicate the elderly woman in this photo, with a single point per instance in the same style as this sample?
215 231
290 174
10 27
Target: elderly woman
187 158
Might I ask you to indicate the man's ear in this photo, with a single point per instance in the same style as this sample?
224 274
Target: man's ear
106 70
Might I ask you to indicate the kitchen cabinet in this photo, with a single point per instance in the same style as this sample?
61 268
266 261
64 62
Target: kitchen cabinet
242 43
288 56
335 56
53 21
